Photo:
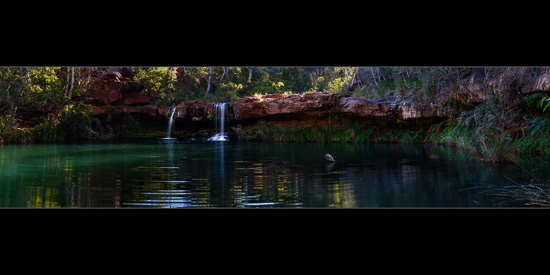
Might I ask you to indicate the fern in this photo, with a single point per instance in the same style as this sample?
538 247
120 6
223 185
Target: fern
540 126
535 102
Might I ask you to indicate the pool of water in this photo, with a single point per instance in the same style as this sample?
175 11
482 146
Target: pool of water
177 174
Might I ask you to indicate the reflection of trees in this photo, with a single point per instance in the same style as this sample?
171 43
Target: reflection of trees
264 184
237 175
274 175
61 176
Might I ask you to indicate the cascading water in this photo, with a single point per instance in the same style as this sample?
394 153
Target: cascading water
170 123
220 117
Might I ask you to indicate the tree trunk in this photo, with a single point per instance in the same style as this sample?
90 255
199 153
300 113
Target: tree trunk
346 73
209 80
373 77
8 94
354 74
16 103
68 77
221 79
72 83
21 90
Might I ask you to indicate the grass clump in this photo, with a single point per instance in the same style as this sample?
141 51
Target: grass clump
536 193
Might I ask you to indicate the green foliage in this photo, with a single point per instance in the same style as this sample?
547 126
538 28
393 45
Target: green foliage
48 130
546 102
405 137
537 139
127 125
6 128
158 81
535 104
485 136
230 83
69 123
51 92
346 132
539 127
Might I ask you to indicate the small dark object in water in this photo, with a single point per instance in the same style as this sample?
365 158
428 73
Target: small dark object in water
328 157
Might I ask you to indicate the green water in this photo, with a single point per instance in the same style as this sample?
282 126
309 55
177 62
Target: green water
151 173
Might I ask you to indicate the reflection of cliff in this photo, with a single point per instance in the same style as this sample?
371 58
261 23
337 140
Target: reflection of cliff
58 176
290 175
240 174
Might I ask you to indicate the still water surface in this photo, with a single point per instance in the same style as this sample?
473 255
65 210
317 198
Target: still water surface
177 174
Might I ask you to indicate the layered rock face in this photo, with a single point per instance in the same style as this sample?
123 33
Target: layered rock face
117 92
338 103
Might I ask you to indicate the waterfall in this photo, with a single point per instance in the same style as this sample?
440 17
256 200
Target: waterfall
170 123
220 117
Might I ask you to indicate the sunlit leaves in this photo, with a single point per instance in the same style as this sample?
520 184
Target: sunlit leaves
542 102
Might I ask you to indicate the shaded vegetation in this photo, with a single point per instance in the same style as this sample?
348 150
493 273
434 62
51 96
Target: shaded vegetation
494 123
344 132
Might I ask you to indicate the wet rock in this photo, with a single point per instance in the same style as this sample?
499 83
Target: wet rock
193 110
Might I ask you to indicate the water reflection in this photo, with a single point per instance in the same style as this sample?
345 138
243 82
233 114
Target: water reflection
228 174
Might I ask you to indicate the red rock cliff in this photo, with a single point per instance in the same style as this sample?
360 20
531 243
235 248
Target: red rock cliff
116 90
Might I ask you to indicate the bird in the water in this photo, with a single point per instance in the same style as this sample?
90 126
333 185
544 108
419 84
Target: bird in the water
328 157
